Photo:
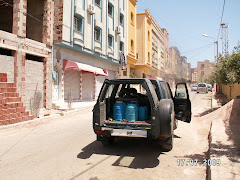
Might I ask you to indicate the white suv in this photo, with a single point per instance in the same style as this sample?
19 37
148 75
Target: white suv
202 87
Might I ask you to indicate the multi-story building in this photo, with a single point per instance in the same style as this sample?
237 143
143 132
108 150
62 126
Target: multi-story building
89 39
189 75
183 68
168 63
204 70
174 56
144 45
158 50
26 57
194 75
132 40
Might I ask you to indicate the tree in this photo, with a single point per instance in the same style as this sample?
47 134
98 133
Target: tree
234 64
227 71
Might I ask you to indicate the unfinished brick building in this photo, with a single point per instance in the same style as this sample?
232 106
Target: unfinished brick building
25 59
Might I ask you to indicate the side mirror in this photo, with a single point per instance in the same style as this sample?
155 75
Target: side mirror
181 91
181 95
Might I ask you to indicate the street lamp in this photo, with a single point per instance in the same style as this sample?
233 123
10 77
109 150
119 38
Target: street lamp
216 57
215 42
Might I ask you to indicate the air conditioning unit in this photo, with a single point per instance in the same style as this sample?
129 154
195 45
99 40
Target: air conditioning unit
118 30
91 9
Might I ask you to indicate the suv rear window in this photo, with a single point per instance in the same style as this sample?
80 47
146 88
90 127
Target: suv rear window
201 85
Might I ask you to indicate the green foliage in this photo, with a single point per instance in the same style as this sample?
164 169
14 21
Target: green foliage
227 71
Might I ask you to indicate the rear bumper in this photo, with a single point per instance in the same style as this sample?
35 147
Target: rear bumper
202 90
127 132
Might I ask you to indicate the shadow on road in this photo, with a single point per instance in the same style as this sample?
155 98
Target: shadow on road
206 112
136 154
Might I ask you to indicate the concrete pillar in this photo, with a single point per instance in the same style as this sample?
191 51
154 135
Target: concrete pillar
19 17
47 25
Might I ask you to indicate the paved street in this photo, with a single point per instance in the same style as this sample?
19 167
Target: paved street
64 147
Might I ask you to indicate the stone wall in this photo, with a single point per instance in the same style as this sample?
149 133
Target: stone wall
7 66
34 78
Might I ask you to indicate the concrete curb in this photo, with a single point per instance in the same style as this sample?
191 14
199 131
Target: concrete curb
37 120
210 171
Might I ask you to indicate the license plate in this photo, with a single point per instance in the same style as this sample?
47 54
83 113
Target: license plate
129 133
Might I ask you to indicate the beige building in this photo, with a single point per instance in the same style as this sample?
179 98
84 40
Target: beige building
204 70
189 75
194 75
174 56
158 52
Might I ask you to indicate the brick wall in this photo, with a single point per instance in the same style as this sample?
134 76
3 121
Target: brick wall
58 20
7 66
25 75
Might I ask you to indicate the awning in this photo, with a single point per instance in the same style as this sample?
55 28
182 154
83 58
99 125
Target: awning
70 65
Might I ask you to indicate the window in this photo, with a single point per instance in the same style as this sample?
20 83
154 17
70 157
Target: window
202 66
97 34
110 10
78 24
148 36
149 57
121 46
122 19
132 45
132 18
98 2
136 55
110 41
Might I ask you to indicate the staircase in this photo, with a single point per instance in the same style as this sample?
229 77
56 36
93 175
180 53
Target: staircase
12 109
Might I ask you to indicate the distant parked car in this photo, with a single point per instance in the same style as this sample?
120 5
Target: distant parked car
202 87
209 86
194 87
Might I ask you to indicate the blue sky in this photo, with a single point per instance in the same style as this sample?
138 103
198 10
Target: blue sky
187 20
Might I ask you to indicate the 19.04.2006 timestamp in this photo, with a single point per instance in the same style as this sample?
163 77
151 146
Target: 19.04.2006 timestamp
197 162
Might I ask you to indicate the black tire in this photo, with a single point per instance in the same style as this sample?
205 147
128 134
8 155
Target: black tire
106 141
166 113
168 145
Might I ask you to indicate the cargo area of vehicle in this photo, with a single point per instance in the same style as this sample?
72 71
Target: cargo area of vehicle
128 112
126 105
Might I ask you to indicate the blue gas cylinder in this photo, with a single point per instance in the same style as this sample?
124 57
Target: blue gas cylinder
142 113
119 111
131 112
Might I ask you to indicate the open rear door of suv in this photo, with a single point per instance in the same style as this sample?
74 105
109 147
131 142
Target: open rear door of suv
182 103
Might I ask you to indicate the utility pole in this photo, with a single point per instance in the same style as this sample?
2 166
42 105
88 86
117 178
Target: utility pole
225 38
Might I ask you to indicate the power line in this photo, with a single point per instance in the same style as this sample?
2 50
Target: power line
196 49
6 4
199 52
